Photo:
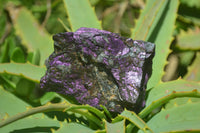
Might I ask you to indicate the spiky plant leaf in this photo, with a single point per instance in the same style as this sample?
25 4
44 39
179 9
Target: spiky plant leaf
33 36
189 40
177 119
26 70
158 31
13 106
73 128
18 55
193 71
167 88
81 14
118 127
136 120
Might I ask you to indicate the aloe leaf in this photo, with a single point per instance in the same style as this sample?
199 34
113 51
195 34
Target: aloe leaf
73 128
92 116
33 36
161 35
18 55
13 106
64 25
147 18
186 58
189 12
32 124
47 97
189 40
4 55
118 127
167 88
81 14
191 3
4 81
36 57
179 118
26 70
136 120
193 70
159 31
25 87
180 101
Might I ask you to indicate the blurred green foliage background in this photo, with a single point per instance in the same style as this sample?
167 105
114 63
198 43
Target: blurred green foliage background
26 29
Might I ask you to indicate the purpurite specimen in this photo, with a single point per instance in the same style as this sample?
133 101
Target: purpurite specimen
98 67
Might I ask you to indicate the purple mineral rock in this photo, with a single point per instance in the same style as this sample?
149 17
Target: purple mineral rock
98 67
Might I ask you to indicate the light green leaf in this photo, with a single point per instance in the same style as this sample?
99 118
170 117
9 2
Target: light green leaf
118 127
179 118
48 96
11 105
189 40
160 33
31 124
33 36
36 57
136 120
186 58
81 14
147 18
73 128
156 25
167 88
193 71
25 70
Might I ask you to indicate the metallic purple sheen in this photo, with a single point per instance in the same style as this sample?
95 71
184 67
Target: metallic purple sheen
98 67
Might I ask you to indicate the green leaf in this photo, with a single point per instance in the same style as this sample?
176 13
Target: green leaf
48 96
147 18
25 87
118 127
136 120
4 81
73 128
179 118
18 55
81 14
189 12
4 54
185 58
167 88
156 25
26 70
36 57
193 71
37 124
180 101
33 36
191 3
189 40
160 33
12 105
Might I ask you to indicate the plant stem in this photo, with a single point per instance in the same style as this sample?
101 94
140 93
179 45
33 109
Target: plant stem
45 108
165 99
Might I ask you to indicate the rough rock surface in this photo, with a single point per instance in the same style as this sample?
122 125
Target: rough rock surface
98 67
